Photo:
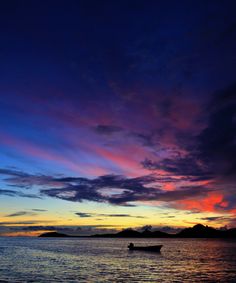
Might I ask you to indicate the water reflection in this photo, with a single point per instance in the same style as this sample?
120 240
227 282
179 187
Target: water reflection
109 260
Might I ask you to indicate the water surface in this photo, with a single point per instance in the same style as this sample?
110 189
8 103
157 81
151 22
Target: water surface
108 260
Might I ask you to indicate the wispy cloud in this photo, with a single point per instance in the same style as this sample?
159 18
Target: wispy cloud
20 213
84 215
107 129
12 193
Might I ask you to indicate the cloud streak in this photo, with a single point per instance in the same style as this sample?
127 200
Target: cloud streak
20 213
88 215
12 193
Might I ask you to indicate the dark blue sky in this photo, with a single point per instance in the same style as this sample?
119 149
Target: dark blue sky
136 97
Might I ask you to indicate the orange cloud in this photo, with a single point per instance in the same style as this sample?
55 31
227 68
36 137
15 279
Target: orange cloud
207 204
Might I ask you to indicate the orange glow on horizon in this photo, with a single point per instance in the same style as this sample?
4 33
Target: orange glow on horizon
25 234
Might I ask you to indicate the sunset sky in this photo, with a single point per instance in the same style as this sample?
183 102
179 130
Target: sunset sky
117 114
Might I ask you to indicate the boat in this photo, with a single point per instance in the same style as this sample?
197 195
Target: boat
157 248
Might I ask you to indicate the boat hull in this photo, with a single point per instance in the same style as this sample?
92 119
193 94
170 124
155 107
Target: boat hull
148 248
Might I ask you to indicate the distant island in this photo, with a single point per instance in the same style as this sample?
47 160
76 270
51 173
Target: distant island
197 231
54 234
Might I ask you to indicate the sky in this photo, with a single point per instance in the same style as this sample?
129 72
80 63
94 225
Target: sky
117 114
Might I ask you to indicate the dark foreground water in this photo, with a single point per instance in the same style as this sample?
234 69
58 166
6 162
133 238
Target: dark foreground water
108 260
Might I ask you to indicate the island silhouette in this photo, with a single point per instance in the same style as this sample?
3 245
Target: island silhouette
54 234
197 231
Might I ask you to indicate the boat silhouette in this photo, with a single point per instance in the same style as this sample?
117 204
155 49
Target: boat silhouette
156 248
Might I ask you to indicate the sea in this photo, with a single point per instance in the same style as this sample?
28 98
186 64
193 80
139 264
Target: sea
26 259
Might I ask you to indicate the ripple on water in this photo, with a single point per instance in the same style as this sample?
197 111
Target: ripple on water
108 260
